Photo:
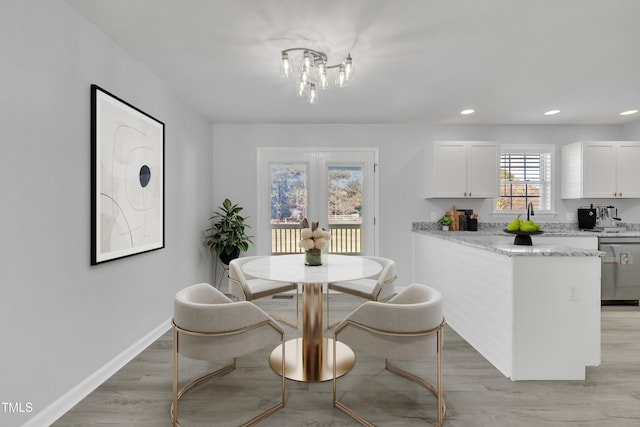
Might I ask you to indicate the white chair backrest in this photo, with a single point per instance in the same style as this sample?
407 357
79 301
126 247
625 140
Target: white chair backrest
202 293
235 268
203 308
386 276
238 278
415 310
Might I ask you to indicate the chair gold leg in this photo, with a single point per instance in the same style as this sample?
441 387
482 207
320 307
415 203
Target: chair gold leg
331 323
353 414
437 390
288 321
173 410
174 404
442 409
340 405
285 321
328 323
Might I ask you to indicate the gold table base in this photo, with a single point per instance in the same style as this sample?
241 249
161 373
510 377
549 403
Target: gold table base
294 365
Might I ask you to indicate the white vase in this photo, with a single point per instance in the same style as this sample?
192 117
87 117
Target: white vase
445 228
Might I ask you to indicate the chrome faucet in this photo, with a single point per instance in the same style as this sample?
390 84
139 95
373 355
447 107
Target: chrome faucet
530 210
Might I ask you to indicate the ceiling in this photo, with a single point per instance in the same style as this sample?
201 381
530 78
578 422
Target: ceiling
416 61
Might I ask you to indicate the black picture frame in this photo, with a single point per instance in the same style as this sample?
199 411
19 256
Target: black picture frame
127 179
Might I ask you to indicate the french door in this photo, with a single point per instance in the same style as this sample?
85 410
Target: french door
335 187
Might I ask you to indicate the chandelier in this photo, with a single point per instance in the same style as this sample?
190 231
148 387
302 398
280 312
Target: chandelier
314 72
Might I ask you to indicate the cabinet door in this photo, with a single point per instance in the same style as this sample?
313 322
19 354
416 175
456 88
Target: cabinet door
448 169
599 170
483 170
628 171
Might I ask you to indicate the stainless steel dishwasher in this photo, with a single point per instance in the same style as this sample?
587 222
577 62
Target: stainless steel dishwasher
620 270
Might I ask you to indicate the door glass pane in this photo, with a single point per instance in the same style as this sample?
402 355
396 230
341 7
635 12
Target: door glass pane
288 206
345 209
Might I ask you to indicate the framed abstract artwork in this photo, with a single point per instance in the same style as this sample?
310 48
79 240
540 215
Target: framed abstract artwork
127 179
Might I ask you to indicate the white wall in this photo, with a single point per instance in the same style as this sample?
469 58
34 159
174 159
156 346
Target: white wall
631 131
61 318
402 169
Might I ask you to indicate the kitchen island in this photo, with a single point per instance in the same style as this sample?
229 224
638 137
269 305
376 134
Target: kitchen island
531 311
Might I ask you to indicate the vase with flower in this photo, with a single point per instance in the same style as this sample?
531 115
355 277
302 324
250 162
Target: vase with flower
313 239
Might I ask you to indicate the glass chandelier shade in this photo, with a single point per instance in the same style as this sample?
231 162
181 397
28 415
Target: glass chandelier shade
313 72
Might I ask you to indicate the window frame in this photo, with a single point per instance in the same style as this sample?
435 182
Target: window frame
531 149
317 158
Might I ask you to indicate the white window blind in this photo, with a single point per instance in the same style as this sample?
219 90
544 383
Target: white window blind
525 177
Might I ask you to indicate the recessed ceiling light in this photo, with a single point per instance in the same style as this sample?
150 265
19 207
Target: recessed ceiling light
465 112
551 112
628 112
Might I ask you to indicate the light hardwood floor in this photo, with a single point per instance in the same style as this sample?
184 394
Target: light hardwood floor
476 393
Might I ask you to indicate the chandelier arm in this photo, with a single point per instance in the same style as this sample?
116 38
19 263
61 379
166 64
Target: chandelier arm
316 53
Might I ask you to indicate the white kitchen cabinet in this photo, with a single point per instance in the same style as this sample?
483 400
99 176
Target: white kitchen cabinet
533 317
600 169
628 172
463 169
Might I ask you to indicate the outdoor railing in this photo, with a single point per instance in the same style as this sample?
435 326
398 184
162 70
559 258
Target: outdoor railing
346 239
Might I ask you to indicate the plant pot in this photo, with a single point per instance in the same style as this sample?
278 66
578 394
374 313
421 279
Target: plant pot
227 258
445 228
313 257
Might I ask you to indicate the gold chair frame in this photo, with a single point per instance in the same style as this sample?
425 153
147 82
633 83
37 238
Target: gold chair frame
173 411
437 390
275 316
332 323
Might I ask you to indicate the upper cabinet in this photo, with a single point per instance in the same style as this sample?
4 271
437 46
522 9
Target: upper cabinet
600 169
459 169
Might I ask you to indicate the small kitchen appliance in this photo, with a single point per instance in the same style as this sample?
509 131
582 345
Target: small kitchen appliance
602 218
608 220
587 218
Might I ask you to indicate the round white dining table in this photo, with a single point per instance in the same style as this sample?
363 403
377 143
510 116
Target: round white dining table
310 358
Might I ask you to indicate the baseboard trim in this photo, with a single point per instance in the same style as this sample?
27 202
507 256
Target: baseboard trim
71 398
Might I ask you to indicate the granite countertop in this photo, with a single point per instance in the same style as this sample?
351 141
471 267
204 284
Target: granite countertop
557 229
591 233
502 243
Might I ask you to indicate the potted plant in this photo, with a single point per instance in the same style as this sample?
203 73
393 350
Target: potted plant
228 237
445 221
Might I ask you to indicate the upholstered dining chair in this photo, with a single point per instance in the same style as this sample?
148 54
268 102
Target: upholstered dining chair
375 288
207 325
248 288
407 327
